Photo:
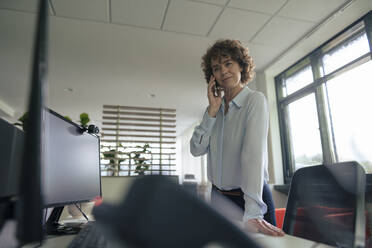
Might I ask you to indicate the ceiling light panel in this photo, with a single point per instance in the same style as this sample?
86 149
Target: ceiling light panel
191 17
96 10
264 6
141 13
313 10
239 24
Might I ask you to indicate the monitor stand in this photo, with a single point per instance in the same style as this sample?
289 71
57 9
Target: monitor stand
53 227
7 210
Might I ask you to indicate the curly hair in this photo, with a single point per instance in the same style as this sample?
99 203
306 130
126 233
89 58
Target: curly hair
236 51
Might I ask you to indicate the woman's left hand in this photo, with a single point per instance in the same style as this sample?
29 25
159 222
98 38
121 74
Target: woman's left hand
262 226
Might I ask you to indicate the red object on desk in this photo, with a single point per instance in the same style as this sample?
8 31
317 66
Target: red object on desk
97 200
279 216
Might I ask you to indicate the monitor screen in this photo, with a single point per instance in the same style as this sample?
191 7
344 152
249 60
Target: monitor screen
11 149
71 172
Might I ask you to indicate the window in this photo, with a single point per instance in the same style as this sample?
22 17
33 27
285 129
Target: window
304 132
298 80
324 102
350 103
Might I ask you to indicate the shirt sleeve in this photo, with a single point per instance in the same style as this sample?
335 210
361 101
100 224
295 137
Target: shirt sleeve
199 142
254 157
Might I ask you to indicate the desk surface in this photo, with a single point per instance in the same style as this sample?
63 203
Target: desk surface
264 240
286 241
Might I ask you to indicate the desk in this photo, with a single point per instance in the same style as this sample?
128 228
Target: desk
264 240
54 241
286 241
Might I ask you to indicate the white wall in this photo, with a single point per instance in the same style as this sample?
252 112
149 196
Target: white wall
115 188
267 86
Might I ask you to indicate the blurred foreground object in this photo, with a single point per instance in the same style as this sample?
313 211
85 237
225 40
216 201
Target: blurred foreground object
159 213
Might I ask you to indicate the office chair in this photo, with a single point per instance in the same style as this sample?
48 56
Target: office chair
326 204
368 201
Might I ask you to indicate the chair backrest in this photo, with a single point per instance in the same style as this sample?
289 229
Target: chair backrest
326 204
368 205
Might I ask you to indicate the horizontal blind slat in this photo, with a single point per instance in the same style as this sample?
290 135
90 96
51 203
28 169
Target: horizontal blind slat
137 119
138 130
139 108
146 170
141 164
137 124
138 136
152 146
139 141
152 153
138 113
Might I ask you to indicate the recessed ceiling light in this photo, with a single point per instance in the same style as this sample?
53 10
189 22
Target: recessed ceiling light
70 90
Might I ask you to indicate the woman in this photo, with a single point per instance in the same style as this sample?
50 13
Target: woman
234 134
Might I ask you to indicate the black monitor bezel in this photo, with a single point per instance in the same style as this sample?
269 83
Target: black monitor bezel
59 204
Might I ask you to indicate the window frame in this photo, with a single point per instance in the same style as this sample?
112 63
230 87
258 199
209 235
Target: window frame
314 59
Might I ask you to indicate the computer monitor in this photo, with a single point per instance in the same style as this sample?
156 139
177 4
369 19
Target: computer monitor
29 204
71 171
11 149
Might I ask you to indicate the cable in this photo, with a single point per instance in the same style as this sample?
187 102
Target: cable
45 216
82 212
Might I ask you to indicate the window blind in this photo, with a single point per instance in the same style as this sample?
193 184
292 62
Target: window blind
138 141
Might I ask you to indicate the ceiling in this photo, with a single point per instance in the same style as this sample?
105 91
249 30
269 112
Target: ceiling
143 52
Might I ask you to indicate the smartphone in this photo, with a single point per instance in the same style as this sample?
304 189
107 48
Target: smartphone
216 88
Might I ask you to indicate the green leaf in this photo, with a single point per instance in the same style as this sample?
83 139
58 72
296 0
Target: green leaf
84 119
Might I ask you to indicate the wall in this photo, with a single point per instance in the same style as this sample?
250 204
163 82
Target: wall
115 188
266 85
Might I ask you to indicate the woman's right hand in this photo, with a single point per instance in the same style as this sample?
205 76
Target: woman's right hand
214 101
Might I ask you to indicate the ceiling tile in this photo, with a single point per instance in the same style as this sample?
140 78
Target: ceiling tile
282 32
263 54
21 5
265 6
191 17
96 10
218 2
314 10
142 13
28 5
238 24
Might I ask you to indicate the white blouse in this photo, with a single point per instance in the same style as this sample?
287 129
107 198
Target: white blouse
236 144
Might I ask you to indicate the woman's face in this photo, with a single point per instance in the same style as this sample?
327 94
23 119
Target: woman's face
227 72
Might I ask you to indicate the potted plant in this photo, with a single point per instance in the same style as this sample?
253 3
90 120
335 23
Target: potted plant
110 155
140 161
84 119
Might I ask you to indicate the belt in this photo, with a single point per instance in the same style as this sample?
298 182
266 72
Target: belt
233 192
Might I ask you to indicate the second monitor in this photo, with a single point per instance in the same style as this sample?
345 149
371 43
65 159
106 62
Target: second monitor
71 171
